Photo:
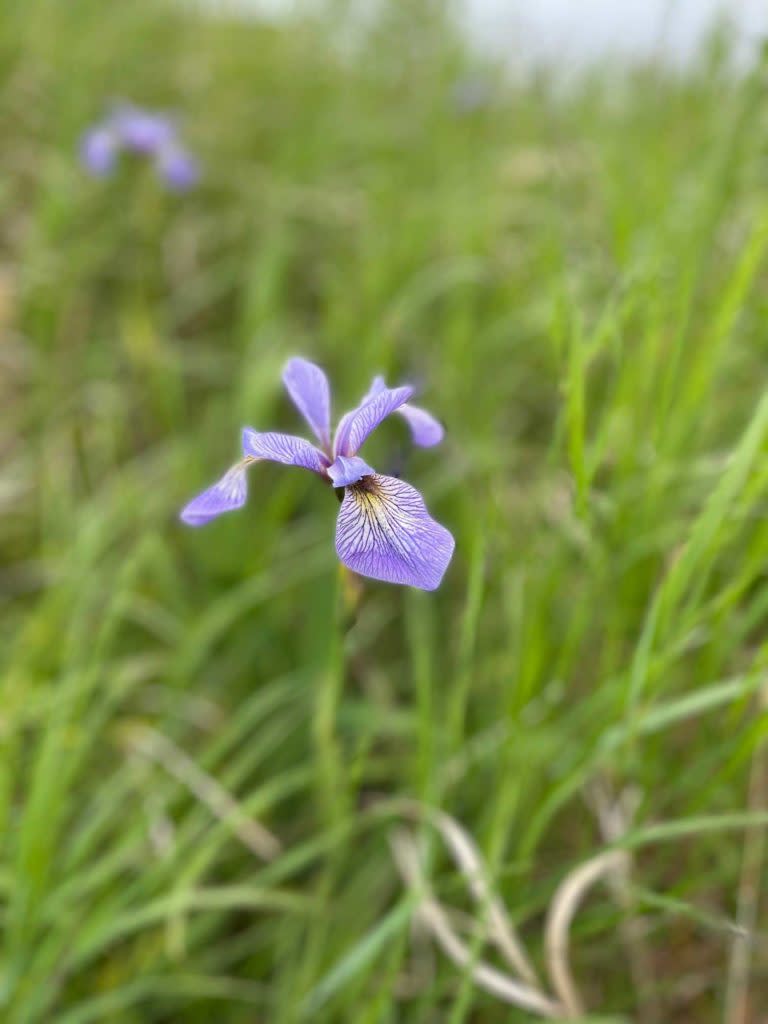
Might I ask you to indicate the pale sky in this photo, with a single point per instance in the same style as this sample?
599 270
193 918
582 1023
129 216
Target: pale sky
581 30
573 32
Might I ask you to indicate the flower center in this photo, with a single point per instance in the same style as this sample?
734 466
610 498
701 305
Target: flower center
367 484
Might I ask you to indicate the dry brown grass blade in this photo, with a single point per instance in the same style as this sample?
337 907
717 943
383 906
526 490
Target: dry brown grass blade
434 917
469 860
148 742
500 929
565 903
615 816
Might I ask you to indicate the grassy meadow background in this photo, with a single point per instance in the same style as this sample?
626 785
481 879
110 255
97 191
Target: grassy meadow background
576 277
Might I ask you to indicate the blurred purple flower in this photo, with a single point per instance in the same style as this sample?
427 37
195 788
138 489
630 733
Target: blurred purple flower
178 167
383 528
143 132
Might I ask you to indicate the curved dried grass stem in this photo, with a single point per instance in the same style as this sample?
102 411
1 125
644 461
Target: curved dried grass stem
500 928
614 816
564 904
470 862
433 916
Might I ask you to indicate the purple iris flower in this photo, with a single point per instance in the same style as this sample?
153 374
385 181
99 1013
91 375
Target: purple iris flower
143 132
383 530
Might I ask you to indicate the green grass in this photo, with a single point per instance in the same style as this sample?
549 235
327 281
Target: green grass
577 276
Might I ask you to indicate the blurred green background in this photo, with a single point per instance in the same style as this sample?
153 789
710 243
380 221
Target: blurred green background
576 277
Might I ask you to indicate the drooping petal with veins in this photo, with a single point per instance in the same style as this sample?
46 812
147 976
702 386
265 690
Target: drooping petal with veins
357 425
384 531
285 448
348 469
308 387
225 495
426 430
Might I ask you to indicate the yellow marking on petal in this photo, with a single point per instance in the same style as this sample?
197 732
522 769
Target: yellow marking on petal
371 501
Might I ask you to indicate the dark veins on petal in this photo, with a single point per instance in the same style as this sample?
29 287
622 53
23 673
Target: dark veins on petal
386 532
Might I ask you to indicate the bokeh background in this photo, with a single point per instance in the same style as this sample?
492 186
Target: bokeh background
207 747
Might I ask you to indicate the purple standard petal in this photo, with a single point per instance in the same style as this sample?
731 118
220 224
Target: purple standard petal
346 470
426 430
384 531
178 168
378 384
227 494
356 426
142 131
98 150
308 387
291 451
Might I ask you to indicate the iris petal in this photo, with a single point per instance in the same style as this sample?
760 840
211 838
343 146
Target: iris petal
311 394
142 130
356 426
378 384
346 470
226 494
426 430
285 448
384 531
98 151
178 168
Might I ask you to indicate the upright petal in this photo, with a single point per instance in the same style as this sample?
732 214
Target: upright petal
308 387
142 130
291 451
378 384
358 424
384 531
426 431
226 494
346 470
